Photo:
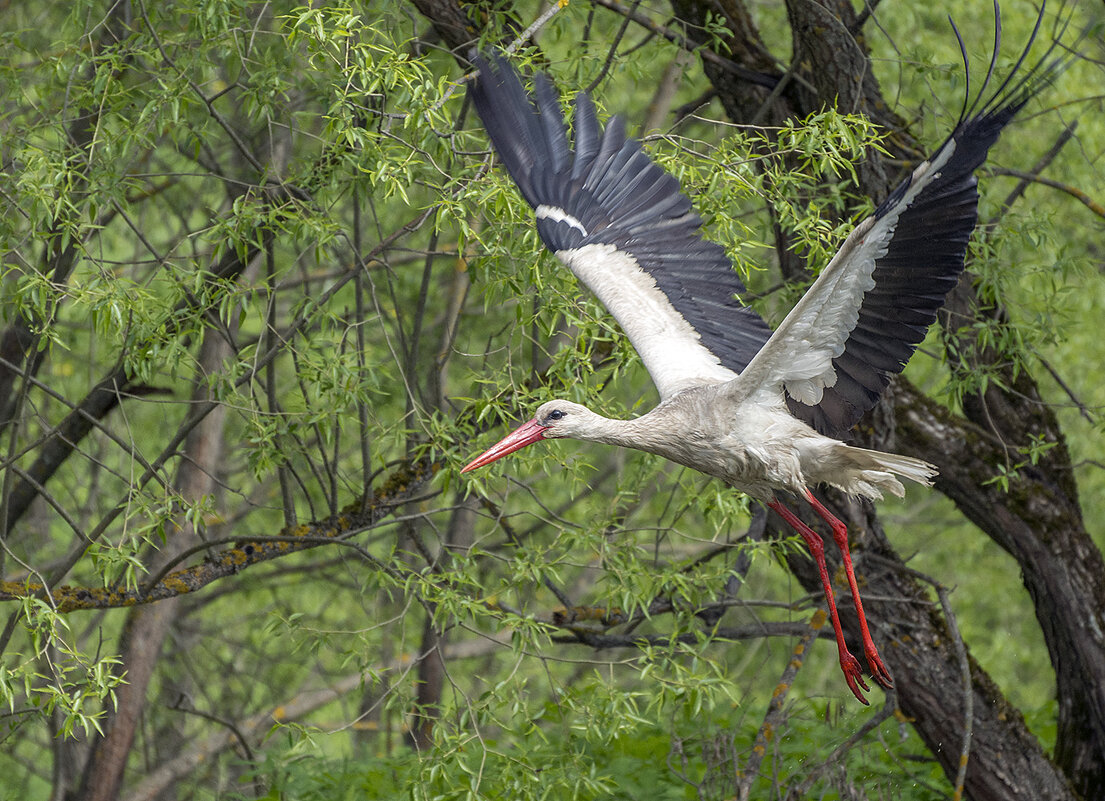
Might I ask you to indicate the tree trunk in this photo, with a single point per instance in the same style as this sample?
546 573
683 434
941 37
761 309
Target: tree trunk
148 626
1039 523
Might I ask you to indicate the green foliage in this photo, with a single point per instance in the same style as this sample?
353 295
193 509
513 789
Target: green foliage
677 760
272 225
56 678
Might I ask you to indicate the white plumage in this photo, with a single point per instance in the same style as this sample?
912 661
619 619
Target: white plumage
670 348
760 410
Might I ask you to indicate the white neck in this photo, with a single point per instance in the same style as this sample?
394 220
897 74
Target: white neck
644 433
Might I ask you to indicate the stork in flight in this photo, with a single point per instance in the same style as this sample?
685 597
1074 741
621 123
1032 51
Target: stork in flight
763 411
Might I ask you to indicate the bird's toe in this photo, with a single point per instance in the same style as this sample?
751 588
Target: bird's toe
878 669
853 674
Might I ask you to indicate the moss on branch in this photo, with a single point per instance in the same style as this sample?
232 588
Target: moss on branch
400 487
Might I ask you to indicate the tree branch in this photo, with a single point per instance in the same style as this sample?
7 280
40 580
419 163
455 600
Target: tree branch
403 485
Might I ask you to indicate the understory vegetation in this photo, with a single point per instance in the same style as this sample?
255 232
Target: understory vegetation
265 291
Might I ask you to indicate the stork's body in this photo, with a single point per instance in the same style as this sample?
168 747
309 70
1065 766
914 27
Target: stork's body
756 446
763 411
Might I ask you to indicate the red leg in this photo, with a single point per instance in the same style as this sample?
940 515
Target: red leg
853 673
840 534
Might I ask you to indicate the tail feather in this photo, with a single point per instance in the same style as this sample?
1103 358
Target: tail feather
870 473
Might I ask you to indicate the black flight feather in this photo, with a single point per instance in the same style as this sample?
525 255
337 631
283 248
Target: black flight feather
926 254
618 196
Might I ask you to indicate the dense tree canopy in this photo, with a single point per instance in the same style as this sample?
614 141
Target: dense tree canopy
264 291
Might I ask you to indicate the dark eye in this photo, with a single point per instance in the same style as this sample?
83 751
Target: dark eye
555 414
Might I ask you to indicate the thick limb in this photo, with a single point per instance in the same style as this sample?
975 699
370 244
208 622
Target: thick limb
840 535
853 673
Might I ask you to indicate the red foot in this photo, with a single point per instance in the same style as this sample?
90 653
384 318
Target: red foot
853 674
878 670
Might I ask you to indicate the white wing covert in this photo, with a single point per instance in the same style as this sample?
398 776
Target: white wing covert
865 315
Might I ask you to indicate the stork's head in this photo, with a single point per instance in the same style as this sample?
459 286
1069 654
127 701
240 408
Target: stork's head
553 420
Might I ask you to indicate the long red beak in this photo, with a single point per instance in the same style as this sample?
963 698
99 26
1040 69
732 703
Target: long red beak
522 436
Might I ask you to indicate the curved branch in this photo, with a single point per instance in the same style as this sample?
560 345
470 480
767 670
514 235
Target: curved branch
752 631
401 487
1076 193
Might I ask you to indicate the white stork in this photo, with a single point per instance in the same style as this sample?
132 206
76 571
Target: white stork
761 410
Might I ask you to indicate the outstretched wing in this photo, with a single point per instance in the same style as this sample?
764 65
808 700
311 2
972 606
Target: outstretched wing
862 319
622 225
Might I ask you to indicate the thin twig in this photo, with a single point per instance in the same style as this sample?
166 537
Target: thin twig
800 791
287 499
226 723
512 535
1037 168
612 51
758 78
968 689
752 631
1082 408
773 717
1073 191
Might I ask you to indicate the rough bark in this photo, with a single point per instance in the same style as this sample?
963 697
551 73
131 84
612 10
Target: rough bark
1039 523
835 65
1037 519
431 666
450 22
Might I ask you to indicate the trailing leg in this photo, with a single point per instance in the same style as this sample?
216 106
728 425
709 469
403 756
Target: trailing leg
853 673
840 535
